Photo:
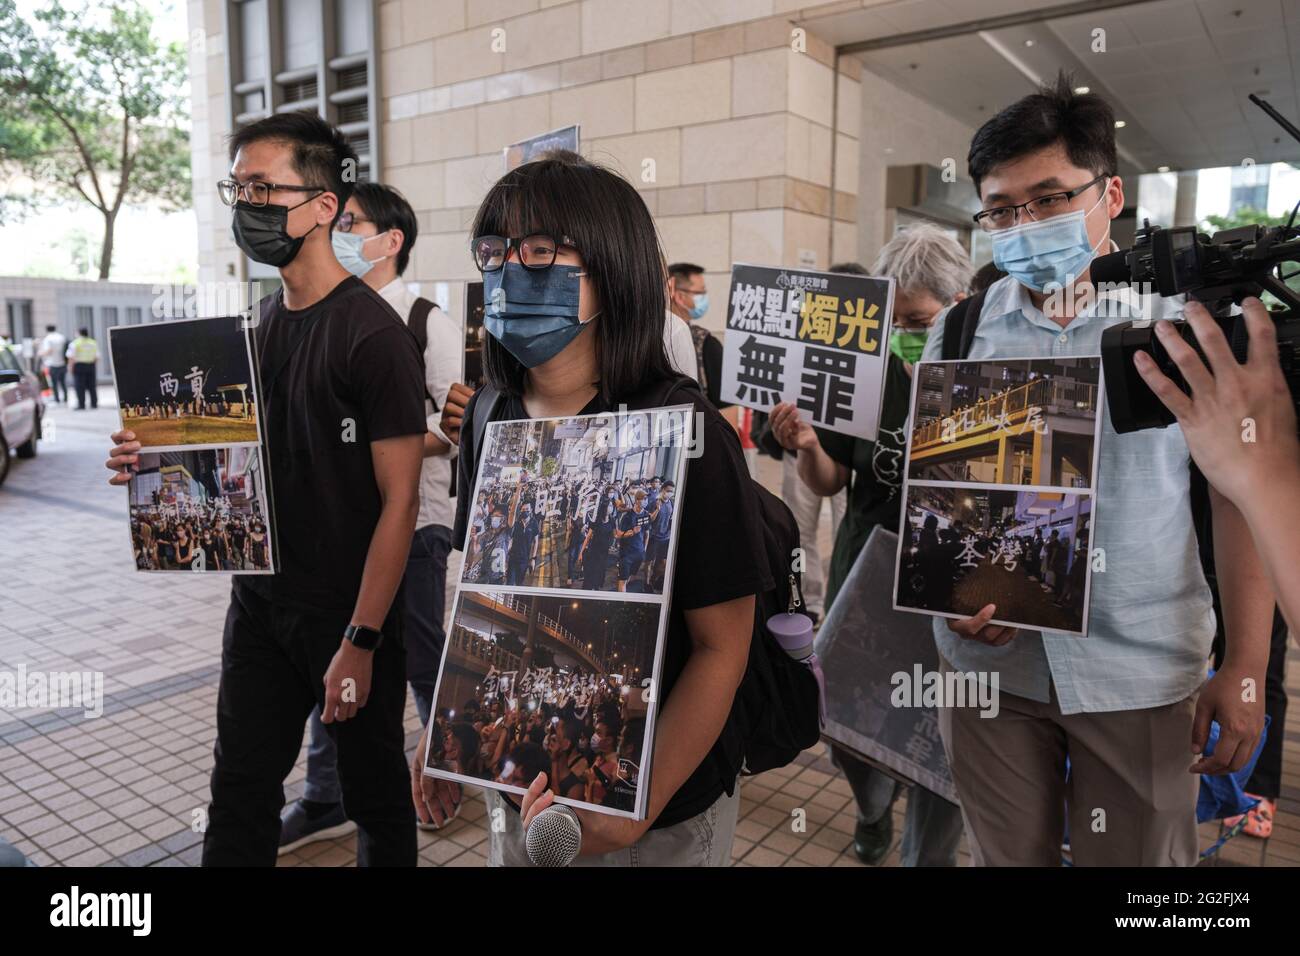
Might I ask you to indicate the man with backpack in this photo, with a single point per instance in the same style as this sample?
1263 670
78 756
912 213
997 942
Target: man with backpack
373 240
1128 705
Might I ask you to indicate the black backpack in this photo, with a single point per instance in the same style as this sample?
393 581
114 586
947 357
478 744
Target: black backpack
776 714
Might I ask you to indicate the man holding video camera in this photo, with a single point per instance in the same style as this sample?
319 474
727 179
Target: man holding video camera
1127 704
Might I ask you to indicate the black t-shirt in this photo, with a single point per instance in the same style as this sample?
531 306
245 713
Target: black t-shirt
335 377
875 475
719 552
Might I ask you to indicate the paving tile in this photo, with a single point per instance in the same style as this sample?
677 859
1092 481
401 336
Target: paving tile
121 789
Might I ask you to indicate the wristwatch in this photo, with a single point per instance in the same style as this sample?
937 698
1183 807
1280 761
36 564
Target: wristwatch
366 638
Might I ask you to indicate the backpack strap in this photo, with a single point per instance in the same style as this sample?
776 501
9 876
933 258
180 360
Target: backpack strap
417 320
485 405
959 326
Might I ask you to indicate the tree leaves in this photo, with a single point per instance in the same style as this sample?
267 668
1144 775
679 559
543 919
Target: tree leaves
94 110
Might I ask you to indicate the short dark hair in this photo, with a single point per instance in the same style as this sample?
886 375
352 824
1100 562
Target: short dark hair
985 276
388 209
531 758
320 151
849 268
615 235
84 333
684 270
51 328
1083 123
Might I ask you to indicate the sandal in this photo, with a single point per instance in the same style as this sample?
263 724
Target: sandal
1259 819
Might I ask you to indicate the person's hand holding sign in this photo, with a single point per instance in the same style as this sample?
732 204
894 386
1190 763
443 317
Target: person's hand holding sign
453 410
979 629
791 431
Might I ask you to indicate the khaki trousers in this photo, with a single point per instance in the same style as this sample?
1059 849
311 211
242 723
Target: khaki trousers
1129 799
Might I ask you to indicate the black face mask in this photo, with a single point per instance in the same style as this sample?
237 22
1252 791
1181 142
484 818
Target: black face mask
261 232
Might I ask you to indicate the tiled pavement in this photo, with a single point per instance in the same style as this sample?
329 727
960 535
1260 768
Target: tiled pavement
125 788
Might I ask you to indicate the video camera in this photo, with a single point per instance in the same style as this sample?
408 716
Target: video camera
1218 271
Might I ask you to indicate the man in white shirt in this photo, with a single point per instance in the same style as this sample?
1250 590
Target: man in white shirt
52 353
680 347
373 240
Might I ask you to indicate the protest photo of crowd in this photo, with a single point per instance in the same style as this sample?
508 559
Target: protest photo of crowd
584 504
1007 422
1025 551
200 511
178 388
521 694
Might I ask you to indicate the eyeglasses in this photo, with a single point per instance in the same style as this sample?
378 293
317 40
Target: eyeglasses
536 251
348 220
1042 207
255 192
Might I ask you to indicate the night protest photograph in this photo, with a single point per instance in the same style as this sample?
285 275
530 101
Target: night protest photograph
1025 551
186 382
535 683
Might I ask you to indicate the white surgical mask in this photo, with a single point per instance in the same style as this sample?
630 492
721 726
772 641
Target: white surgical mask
347 249
1046 252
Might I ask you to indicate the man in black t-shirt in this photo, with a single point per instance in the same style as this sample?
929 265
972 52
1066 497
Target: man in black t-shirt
342 405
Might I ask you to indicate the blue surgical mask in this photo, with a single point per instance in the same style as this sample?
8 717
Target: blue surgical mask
1047 252
533 313
700 307
347 249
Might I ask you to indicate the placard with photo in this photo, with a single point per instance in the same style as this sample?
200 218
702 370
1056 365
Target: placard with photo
557 629
200 497
201 510
186 383
998 499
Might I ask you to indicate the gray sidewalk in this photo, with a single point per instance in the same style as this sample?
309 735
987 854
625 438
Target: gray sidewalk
130 787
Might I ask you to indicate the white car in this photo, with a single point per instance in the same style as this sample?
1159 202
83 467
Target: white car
21 409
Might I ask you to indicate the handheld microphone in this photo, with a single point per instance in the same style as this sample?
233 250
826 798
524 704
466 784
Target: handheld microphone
554 837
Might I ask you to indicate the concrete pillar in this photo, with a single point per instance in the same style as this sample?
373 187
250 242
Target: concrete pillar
1185 198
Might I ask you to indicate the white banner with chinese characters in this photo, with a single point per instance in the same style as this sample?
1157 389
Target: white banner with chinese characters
817 339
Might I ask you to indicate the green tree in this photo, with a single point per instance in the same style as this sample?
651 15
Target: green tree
1245 216
94 110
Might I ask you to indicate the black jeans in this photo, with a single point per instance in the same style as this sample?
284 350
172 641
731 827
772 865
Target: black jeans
424 593
83 378
273 663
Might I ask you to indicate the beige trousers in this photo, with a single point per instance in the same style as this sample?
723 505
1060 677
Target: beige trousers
1129 799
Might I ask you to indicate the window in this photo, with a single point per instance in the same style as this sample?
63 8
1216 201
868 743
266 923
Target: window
133 315
316 56
19 315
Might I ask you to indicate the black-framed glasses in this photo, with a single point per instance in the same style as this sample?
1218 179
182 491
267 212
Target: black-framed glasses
535 251
348 220
1041 207
255 192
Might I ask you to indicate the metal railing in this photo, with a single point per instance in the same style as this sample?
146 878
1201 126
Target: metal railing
1047 394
